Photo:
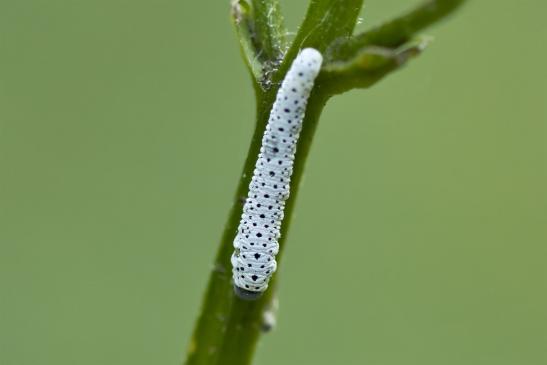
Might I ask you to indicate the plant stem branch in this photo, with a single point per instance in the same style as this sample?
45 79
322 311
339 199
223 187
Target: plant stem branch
396 32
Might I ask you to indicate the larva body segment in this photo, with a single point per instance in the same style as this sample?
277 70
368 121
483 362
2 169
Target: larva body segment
256 242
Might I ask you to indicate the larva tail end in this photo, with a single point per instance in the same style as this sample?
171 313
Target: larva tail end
246 294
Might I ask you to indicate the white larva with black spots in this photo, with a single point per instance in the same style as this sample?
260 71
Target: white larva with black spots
256 242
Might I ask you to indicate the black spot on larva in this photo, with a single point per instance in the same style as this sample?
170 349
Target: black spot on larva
262 216
300 74
275 149
259 234
293 90
257 256
254 277
266 195
287 110
281 129
272 173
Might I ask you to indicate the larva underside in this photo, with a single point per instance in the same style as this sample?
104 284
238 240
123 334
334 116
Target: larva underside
256 242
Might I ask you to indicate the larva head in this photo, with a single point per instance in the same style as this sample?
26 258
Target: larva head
311 60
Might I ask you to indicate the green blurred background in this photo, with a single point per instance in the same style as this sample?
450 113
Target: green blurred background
420 234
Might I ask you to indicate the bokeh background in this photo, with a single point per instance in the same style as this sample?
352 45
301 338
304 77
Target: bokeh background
420 234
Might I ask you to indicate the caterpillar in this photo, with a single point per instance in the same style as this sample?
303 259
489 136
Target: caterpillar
256 243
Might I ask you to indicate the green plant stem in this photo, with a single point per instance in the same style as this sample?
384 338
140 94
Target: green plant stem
270 29
325 21
228 328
